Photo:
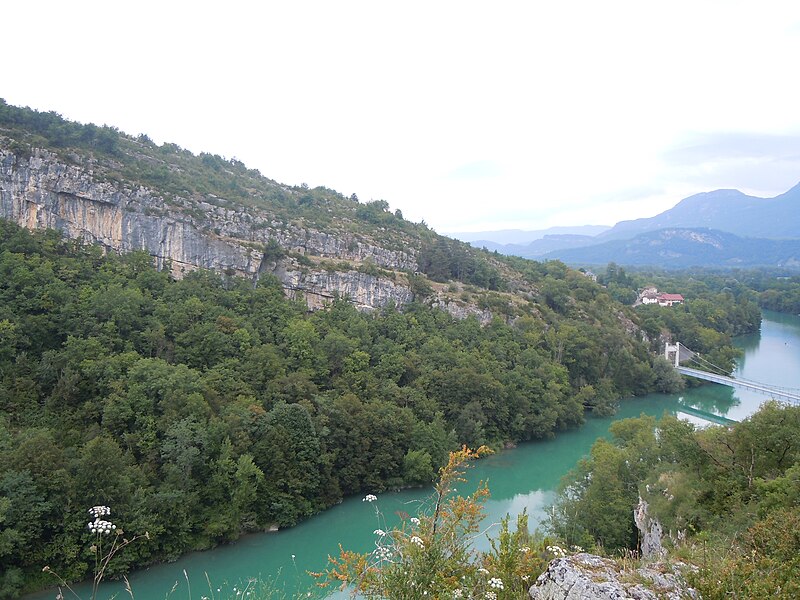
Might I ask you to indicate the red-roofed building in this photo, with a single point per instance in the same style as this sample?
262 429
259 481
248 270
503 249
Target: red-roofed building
669 299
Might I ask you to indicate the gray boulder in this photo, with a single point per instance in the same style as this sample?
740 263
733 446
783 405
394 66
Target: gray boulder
588 577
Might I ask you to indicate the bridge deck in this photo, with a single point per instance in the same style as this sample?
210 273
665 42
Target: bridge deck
778 394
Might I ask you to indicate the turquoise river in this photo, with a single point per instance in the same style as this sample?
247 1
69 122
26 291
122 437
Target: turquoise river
523 478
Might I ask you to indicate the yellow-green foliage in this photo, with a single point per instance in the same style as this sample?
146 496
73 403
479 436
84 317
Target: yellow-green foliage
432 555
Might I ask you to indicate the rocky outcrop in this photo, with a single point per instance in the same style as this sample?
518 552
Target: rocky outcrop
589 577
463 310
42 191
366 292
650 532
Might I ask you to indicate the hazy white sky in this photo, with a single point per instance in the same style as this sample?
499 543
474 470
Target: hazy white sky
469 115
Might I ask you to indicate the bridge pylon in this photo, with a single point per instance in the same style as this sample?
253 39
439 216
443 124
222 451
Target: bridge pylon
672 352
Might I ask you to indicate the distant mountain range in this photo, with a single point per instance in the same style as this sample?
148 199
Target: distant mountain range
521 237
538 247
719 228
679 248
726 210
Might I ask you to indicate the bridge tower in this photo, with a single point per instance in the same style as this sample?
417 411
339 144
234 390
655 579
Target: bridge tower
672 352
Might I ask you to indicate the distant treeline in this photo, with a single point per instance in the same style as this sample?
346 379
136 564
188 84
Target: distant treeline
774 288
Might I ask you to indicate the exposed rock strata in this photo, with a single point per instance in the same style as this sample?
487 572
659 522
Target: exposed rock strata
462 311
589 577
366 292
42 191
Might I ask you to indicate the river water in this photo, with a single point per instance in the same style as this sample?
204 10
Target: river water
523 478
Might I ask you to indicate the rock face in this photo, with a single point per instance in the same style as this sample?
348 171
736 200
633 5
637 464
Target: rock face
460 311
589 577
42 191
366 292
650 532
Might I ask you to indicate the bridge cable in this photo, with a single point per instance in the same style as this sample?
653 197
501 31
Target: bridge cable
695 356
702 362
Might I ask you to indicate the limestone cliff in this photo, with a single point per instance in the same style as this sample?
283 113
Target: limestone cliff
42 190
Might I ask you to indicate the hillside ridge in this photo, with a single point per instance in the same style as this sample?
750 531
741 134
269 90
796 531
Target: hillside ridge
101 186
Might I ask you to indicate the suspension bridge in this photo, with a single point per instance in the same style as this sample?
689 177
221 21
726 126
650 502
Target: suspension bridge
678 354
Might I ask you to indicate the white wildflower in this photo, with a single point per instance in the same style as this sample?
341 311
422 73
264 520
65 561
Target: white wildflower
99 511
418 541
496 583
458 593
414 521
101 526
525 549
491 596
484 571
577 549
370 498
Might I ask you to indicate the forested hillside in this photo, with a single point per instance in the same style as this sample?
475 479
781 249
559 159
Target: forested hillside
205 407
128 193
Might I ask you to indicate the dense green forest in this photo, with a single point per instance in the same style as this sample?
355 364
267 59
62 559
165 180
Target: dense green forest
727 498
205 407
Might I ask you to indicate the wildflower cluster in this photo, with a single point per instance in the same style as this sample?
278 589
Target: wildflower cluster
100 525
496 583
369 498
556 551
99 511
382 553
102 557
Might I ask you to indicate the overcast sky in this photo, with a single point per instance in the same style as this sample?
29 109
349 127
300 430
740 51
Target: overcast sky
469 115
